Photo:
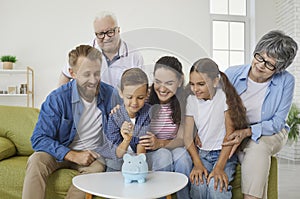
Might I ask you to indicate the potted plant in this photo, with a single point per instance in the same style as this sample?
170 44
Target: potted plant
8 61
291 150
293 121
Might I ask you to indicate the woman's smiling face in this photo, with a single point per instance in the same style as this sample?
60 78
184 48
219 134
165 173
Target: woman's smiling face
166 83
259 72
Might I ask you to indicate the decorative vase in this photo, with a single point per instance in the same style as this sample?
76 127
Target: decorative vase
7 65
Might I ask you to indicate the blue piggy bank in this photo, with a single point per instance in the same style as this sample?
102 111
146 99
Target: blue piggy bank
134 168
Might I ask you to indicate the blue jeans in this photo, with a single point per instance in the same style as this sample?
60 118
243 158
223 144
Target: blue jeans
113 164
182 163
160 160
204 191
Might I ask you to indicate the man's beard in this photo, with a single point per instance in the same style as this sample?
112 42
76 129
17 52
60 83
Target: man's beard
88 95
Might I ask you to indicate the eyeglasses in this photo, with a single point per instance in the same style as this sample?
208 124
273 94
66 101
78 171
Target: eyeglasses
109 33
260 59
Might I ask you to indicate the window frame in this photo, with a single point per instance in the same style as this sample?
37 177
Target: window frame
238 19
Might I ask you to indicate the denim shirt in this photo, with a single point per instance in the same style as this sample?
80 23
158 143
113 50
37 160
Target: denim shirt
277 102
117 119
59 115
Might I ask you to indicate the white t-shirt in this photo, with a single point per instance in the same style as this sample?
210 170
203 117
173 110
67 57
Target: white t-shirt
209 118
253 99
89 128
111 74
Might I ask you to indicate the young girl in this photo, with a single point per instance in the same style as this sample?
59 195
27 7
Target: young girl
216 110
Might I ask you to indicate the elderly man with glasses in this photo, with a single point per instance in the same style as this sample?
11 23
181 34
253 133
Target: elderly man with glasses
117 55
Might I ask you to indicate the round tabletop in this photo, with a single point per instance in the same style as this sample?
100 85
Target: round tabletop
111 185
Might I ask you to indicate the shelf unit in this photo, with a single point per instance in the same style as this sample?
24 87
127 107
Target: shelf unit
29 81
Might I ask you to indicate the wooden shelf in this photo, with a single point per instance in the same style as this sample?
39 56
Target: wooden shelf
13 71
13 95
29 81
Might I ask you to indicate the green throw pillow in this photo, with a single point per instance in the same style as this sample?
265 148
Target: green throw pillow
7 148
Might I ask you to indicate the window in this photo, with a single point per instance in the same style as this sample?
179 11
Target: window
230 38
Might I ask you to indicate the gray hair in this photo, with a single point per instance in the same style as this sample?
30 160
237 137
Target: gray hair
104 14
278 45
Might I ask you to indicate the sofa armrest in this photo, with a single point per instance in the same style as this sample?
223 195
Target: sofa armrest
7 148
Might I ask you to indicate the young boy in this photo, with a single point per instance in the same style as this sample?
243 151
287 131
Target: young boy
131 121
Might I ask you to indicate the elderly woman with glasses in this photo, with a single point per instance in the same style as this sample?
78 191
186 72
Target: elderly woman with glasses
266 89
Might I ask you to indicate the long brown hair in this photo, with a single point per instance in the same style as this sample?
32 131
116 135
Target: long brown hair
178 101
233 100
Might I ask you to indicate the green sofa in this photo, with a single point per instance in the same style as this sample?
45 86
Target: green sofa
16 127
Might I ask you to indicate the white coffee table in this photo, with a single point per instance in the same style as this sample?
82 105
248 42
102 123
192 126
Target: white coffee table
111 185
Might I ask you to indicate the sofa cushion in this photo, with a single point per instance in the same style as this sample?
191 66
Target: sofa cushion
17 124
273 179
7 148
236 184
12 172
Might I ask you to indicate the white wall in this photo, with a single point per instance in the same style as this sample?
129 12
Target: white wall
265 17
41 33
289 21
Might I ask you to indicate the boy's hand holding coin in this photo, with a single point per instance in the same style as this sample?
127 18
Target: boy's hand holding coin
127 130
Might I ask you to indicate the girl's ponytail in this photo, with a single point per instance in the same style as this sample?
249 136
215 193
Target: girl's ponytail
235 104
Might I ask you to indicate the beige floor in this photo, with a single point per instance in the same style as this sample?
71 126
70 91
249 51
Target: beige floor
288 179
